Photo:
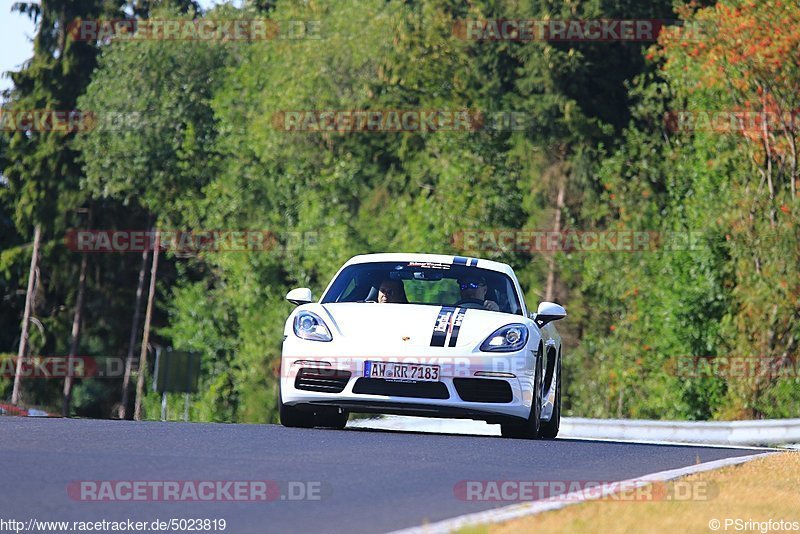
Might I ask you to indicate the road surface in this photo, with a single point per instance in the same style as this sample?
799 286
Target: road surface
363 480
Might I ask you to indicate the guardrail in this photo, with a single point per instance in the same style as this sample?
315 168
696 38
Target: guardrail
741 433
759 432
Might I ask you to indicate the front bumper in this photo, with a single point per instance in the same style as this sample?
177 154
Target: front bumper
450 397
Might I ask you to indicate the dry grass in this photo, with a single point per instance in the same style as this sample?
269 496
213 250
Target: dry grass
760 490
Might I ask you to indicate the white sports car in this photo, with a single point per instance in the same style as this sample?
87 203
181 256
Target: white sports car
424 335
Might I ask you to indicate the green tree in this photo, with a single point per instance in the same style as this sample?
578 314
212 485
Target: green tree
40 168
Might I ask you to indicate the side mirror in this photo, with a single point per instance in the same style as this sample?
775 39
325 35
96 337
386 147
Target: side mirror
548 312
300 295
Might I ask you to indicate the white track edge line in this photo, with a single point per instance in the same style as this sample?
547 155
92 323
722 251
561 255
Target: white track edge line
514 511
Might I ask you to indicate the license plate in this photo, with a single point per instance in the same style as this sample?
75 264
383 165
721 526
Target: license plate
402 372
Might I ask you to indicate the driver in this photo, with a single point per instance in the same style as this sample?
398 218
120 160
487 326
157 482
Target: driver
474 288
392 291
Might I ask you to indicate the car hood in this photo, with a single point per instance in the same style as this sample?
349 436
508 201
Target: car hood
411 325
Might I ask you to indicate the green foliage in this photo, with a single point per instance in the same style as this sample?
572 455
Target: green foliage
204 148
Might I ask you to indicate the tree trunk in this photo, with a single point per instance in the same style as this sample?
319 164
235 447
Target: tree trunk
549 291
26 316
76 335
137 410
768 157
137 312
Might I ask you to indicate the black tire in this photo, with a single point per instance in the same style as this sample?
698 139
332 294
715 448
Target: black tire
293 417
332 418
528 429
512 430
549 429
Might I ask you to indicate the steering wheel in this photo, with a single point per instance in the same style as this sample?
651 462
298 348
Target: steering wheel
470 303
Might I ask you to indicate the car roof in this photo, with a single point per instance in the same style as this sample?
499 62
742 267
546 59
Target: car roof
433 258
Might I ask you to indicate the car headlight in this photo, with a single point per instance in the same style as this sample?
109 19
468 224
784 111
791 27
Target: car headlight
308 325
509 338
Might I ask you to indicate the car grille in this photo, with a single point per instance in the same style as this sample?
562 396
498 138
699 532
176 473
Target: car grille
483 390
422 390
321 379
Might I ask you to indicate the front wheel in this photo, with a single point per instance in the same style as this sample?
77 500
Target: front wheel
549 429
293 417
528 429
332 418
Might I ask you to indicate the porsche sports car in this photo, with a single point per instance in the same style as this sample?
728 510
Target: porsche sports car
423 335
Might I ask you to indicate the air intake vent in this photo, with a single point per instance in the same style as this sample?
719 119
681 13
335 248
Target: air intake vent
324 380
483 390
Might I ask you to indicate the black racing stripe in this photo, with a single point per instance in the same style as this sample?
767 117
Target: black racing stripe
457 326
459 260
473 262
440 326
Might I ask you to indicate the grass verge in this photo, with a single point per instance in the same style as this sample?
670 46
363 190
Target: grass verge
757 492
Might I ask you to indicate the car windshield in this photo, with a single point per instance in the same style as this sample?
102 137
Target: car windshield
428 283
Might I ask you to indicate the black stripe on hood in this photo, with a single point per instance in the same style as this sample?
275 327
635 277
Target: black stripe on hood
441 325
460 313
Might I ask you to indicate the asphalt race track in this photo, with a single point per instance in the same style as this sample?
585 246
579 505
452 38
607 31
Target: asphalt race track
367 480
